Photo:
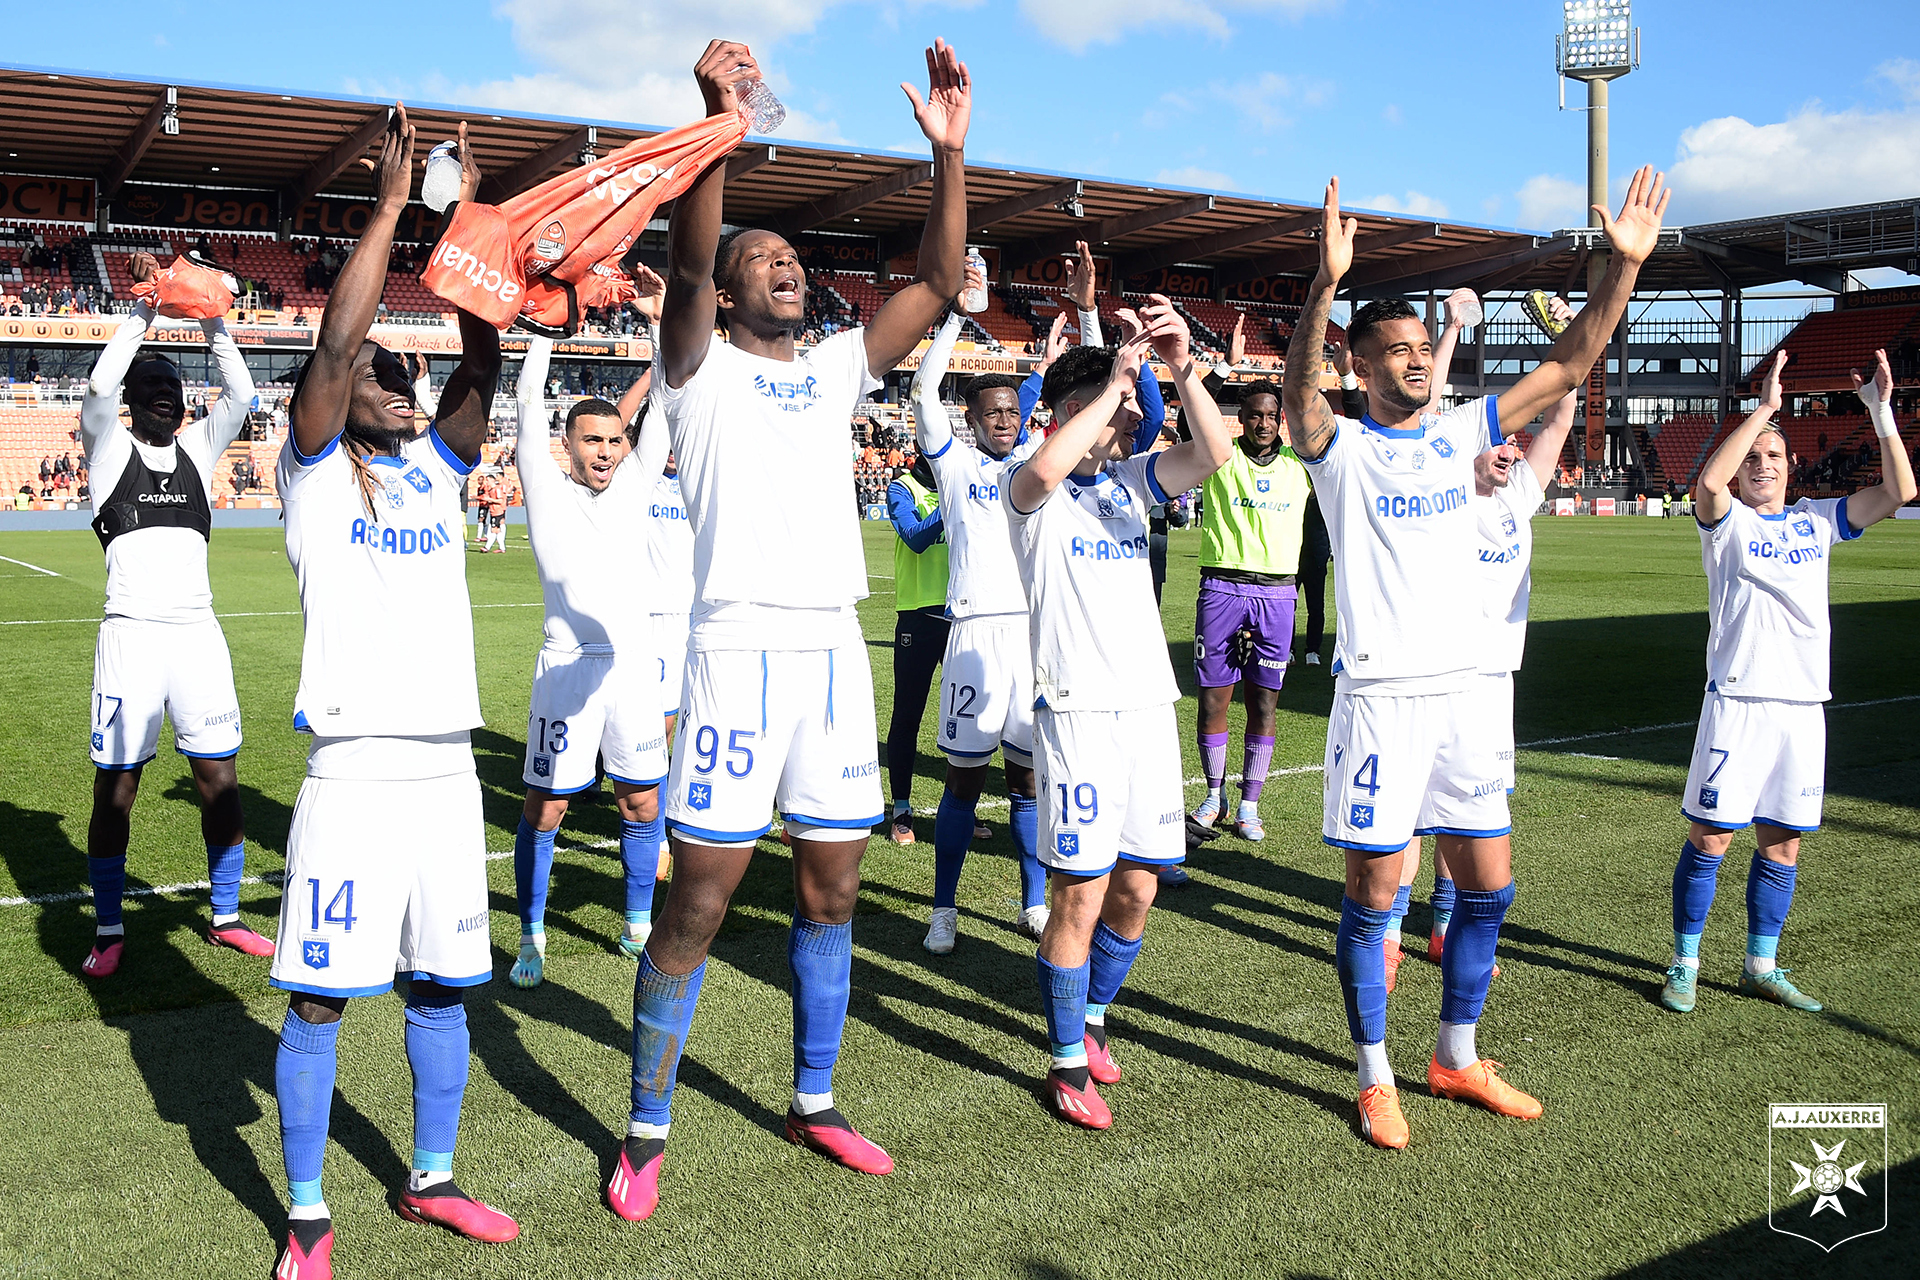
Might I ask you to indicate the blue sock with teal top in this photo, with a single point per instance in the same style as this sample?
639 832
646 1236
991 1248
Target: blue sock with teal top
1398 912
108 879
952 833
225 863
1025 830
532 869
1694 878
303 1071
1769 895
1466 966
1442 902
662 1014
1110 959
821 957
1360 959
438 1049
1063 996
640 856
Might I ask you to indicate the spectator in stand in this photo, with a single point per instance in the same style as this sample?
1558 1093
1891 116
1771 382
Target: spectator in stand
46 469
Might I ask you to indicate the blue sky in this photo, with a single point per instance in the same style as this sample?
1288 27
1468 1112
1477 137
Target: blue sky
1439 109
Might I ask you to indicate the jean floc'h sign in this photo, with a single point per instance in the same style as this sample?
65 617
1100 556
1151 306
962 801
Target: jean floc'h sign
50 199
217 209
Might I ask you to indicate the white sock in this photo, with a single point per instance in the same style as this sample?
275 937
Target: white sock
1757 965
641 1129
1393 931
1374 1067
1455 1050
421 1179
538 941
1213 795
808 1103
110 931
307 1212
1249 809
1691 962
219 919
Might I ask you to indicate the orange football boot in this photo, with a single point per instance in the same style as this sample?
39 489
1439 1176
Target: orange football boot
1479 1084
1380 1117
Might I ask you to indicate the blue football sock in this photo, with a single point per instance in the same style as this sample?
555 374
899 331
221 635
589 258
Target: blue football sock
224 866
532 869
1466 966
1398 912
640 854
1360 958
1025 830
821 957
1063 995
303 1071
1769 894
952 833
438 1051
1109 959
662 1014
1693 883
108 876
1442 903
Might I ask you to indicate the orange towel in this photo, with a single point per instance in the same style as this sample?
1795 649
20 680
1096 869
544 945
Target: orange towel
188 291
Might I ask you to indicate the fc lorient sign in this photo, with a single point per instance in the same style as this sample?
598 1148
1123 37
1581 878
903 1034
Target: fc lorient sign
1827 1170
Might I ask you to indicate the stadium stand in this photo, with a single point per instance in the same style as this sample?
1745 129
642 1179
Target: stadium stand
1823 348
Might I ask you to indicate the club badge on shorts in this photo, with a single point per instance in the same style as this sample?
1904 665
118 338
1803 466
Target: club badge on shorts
1827 1170
316 953
543 766
1067 844
700 795
1360 815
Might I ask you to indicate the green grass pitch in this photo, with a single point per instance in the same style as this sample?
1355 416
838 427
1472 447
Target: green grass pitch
141 1127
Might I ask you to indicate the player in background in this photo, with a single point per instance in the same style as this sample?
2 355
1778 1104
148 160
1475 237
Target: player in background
160 650
778 708
986 700
386 855
497 496
919 627
596 683
1250 533
483 496
1760 753
1401 760
1105 739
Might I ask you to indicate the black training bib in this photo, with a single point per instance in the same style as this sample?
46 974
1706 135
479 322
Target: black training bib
145 499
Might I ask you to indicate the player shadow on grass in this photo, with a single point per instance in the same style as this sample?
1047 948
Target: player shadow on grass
197 1063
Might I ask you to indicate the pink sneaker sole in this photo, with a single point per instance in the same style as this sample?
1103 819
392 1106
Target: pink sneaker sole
635 1194
842 1145
461 1214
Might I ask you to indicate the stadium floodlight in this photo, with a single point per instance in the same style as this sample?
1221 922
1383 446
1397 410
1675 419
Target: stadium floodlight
1597 40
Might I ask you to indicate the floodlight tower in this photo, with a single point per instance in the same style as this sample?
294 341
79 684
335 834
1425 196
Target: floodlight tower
1597 43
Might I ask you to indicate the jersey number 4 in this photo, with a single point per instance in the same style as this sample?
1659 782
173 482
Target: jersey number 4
1367 777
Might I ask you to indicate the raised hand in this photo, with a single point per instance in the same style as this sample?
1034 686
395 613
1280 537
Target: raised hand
142 267
720 71
1080 276
1770 397
1336 236
943 114
1168 331
393 172
469 167
1637 230
651 289
1130 321
1237 341
1128 359
1880 386
976 279
1056 341
1463 309
1342 360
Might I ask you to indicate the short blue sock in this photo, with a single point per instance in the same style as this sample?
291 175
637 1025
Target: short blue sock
1466 966
1687 945
224 866
1361 959
1110 959
1063 995
1402 898
303 1070
821 956
662 1014
640 855
952 833
532 869
108 877
1442 903
1025 830
1769 895
1693 883
438 1049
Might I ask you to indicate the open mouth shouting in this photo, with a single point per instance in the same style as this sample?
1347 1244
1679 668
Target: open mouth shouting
786 288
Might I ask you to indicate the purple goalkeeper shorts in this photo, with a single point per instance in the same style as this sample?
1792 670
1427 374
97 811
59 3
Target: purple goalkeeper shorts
1227 607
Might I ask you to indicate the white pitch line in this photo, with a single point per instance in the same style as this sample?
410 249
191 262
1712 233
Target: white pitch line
24 565
277 613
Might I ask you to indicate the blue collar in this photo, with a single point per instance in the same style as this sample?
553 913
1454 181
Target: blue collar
1392 433
387 459
1764 516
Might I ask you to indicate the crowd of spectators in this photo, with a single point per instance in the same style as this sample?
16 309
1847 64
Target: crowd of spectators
882 453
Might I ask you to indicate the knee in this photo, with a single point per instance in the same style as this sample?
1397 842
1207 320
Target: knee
640 806
317 1011
1020 781
543 812
1709 842
965 782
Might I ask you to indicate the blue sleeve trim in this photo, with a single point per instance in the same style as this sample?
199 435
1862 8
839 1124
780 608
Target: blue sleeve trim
724 837
301 459
308 988
1153 478
421 975
1493 421
838 824
941 452
1314 462
1029 396
1717 523
460 466
1006 486
1847 534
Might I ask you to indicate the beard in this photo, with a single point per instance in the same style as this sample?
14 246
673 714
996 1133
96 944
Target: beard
1397 394
381 439
148 423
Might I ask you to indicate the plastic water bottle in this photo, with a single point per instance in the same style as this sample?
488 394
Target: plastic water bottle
1468 314
441 185
975 300
764 112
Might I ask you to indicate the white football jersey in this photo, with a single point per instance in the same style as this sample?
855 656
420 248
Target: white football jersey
1398 506
762 452
670 547
1505 550
159 574
597 592
1769 634
389 628
1097 640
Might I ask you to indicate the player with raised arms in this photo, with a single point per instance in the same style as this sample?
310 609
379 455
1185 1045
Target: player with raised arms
1760 753
1105 740
596 685
986 701
160 650
778 703
386 855
1401 759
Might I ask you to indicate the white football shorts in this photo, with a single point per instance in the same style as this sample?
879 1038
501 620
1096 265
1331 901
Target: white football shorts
384 878
1109 788
145 670
785 729
1757 760
1489 719
670 634
1397 767
986 693
586 703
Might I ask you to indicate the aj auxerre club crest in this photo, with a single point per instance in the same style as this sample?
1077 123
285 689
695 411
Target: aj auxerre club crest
1263 484
1827 1167
1803 527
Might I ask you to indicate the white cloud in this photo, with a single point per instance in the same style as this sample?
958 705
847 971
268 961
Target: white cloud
1079 23
1549 202
1903 74
1729 168
1194 176
1414 202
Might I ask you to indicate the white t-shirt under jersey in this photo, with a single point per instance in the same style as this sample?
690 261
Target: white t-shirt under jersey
670 547
1398 506
982 575
762 452
1095 630
1769 633
1505 549
598 591
389 629
159 574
